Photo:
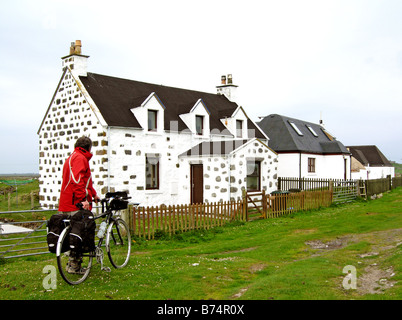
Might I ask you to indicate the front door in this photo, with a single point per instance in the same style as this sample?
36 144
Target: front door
197 183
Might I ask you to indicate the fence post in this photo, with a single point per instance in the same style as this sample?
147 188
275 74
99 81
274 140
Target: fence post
264 204
331 185
245 205
279 183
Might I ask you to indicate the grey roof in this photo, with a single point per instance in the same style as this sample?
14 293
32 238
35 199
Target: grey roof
115 97
369 155
284 137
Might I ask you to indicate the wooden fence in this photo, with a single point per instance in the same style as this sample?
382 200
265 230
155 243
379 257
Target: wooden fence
396 182
315 193
145 222
281 204
343 190
300 184
376 186
262 205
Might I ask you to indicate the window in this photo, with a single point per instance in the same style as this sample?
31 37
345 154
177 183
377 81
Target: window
253 175
311 165
296 128
199 124
152 120
152 172
239 129
312 131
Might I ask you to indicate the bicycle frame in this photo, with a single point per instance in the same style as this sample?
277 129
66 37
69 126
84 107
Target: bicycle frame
116 235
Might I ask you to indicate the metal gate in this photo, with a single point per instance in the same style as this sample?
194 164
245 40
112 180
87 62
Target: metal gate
22 239
345 190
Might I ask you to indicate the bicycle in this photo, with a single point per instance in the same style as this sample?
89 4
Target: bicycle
117 242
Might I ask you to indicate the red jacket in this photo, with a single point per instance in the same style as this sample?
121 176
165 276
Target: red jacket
77 181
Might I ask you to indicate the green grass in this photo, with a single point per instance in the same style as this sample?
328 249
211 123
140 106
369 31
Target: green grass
20 198
270 259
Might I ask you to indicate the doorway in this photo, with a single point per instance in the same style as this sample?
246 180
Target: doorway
197 183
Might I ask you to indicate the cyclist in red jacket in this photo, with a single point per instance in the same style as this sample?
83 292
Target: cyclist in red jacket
77 188
77 181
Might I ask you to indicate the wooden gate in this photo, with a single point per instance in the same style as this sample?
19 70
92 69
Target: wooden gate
255 204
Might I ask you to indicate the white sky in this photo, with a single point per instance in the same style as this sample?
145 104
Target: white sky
291 57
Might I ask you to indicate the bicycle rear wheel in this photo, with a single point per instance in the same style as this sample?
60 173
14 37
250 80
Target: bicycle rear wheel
68 261
118 243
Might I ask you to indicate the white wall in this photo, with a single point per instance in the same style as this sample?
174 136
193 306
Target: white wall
326 166
374 173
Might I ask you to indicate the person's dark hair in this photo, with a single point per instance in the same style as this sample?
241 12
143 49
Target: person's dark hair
84 142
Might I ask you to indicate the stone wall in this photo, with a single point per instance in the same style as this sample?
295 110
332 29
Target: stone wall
69 117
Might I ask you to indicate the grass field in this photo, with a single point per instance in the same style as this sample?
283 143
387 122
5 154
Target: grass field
301 256
20 198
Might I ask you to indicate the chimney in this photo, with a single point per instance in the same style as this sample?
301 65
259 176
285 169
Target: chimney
75 61
77 47
228 89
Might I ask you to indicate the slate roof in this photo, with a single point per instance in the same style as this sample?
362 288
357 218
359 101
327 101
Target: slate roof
116 96
284 138
369 155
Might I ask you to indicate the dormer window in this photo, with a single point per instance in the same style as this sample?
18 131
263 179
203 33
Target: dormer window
239 128
199 125
152 120
197 119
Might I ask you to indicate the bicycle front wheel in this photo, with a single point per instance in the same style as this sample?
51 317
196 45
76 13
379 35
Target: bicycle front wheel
118 243
74 268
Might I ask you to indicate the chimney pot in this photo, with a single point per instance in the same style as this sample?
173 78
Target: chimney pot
223 79
72 48
77 47
230 80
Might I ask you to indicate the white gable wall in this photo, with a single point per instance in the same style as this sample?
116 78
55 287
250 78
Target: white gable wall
68 117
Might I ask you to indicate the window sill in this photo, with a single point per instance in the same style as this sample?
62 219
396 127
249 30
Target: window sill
153 191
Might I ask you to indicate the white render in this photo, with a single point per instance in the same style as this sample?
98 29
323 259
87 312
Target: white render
369 173
326 166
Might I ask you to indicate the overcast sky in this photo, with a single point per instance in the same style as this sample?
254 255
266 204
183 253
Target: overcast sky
297 58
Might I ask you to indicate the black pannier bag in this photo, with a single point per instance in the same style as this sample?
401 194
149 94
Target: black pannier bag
55 226
82 234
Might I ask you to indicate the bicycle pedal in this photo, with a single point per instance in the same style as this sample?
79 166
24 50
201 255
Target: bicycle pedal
106 269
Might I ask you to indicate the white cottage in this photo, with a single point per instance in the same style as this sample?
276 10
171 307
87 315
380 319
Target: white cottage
147 137
368 162
305 149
